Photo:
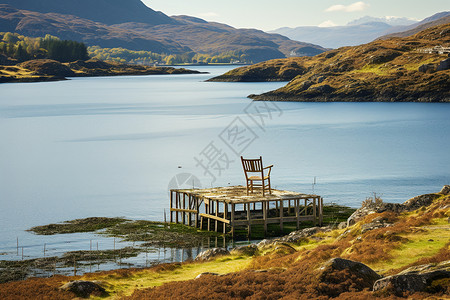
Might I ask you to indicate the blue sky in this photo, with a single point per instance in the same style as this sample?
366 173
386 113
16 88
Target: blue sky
272 14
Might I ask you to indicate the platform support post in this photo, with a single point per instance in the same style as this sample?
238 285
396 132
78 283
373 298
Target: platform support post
281 214
171 206
249 227
265 208
232 219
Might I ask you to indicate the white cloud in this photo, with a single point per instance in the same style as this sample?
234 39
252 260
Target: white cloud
327 23
209 14
357 6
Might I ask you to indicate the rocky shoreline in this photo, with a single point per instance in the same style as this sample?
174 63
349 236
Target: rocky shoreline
383 250
42 70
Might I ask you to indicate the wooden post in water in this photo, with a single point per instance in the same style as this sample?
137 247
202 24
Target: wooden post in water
217 215
171 206
315 211
249 227
225 216
281 214
265 208
232 219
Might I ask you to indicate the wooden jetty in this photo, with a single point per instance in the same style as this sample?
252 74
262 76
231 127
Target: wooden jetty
224 208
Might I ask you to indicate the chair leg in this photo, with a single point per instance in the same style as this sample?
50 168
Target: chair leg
263 188
270 189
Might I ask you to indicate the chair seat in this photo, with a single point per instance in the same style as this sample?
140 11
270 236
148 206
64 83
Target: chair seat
257 177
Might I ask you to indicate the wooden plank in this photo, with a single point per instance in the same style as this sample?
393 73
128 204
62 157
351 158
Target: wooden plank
297 213
213 217
183 210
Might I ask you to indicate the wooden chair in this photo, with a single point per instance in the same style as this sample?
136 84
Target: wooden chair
256 166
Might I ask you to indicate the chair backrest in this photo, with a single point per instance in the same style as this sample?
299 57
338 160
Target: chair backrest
252 165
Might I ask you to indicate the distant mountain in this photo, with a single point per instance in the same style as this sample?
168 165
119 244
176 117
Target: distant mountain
393 21
435 20
360 31
104 11
111 23
337 36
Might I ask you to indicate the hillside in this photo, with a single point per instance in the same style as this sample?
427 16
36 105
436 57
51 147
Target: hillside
120 25
397 69
383 251
104 11
35 24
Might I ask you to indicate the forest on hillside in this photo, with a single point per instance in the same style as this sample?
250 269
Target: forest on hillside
23 48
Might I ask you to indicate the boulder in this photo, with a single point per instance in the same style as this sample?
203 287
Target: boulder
361 275
445 190
378 222
84 289
301 235
443 65
427 68
424 278
248 250
211 253
360 214
420 201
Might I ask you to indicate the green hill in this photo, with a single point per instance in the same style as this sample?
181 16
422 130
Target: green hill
396 69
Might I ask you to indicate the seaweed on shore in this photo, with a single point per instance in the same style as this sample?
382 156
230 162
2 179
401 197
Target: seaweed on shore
159 234
78 225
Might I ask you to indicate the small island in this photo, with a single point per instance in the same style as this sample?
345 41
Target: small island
25 59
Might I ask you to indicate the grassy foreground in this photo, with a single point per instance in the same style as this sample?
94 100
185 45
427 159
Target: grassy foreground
283 270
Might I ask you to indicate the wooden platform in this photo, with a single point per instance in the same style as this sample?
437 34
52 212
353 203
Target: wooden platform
223 208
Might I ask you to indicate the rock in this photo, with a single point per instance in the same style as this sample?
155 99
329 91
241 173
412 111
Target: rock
417 279
206 273
211 253
283 248
445 190
443 65
420 201
342 225
355 270
84 289
248 250
301 235
48 67
325 88
267 243
360 214
378 222
427 68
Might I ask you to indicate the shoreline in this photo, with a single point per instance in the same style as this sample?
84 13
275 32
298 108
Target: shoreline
313 262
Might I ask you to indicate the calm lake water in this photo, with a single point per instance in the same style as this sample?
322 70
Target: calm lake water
110 146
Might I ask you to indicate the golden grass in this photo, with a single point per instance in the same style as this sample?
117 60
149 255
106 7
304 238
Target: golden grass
125 284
